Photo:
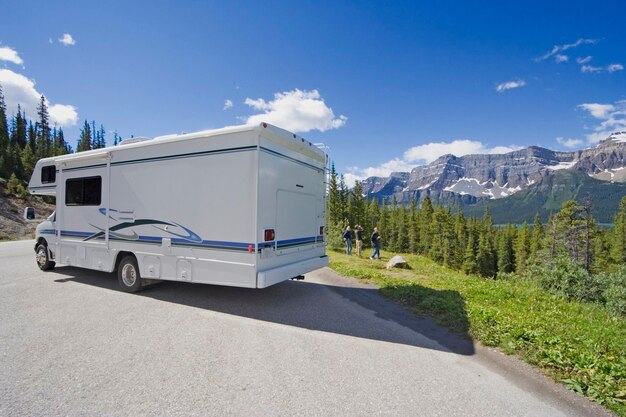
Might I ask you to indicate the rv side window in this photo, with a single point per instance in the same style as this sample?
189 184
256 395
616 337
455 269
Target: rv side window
83 191
48 174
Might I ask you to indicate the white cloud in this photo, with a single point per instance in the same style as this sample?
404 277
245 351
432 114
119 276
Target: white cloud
297 111
500 88
424 154
584 60
611 117
599 111
227 104
569 143
21 90
10 55
431 151
590 69
67 40
561 58
556 49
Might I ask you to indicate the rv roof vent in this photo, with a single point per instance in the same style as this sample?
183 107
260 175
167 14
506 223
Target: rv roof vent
132 140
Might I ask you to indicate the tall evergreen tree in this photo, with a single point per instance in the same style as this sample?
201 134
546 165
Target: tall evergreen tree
537 236
413 230
618 239
425 225
460 231
29 160
359 214
506 253
42 126
116 138
4 136
84 143
469 257
522 248
485 258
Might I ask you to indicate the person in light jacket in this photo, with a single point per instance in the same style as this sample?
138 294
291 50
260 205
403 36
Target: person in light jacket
376 244
347 237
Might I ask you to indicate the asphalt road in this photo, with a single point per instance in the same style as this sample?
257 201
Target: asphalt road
72 344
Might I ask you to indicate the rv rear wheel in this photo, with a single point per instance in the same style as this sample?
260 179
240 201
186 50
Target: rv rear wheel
43 258
128 274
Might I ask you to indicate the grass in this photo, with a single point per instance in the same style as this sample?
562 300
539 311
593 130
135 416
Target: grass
578 344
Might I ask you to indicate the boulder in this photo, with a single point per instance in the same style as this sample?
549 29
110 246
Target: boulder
397 262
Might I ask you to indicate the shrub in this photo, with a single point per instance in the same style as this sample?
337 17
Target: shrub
614 290
15 187
564 276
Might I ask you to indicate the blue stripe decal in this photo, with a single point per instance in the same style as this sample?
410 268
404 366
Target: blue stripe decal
42 187
186 155
207 244
299 241
85 167
48 232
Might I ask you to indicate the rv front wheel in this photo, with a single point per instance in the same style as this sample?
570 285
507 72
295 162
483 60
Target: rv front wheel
128 274
43 258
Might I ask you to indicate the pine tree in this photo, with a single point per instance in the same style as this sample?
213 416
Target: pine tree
4 135
29 160
374 218
522 248
485 259
116 138
618 238
469 257
18 130
506 254
425 220
84 143
359 208
537 236
572 233
460 231
42 127
413 231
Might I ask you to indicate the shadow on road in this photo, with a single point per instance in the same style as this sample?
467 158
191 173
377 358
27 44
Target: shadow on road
306 305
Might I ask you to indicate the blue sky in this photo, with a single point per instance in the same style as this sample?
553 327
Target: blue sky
386 85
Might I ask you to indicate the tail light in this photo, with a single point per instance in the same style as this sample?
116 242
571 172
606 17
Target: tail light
269 235
321 230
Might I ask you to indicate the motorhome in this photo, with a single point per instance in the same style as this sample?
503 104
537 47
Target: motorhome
240 206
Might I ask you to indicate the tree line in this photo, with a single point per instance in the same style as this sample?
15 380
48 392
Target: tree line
570 243
23 142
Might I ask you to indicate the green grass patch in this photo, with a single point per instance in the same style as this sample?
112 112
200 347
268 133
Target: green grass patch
578 344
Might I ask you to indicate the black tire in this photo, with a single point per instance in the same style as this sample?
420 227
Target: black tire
128 274
42 256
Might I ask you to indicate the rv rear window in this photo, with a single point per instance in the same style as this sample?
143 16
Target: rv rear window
48 174
83 191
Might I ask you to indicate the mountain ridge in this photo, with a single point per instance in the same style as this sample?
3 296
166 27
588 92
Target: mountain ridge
483 180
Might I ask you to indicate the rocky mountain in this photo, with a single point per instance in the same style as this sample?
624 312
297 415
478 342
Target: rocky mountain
480 180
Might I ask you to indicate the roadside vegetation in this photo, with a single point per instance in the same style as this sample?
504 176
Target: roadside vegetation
552 293
577 343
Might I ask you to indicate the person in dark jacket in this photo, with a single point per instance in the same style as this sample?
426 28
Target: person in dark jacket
358 235
347 237
376 243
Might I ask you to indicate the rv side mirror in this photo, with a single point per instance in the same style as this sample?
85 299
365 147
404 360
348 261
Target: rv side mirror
29 213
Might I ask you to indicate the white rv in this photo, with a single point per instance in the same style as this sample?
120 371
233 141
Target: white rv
241 206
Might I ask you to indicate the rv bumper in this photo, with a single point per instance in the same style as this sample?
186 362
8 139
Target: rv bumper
283 273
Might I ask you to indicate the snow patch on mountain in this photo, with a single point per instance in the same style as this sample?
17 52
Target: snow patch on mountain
561 165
